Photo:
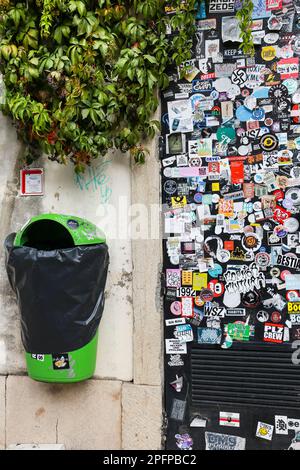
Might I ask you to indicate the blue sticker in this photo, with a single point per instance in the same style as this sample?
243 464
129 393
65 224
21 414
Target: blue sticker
261 92
209 335
243 114
215 271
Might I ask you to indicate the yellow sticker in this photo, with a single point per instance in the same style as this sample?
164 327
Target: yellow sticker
215 186
199 281
293 307
187 278
179 201
268 53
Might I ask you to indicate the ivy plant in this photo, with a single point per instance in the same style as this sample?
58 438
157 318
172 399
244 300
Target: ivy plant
82 76
244 15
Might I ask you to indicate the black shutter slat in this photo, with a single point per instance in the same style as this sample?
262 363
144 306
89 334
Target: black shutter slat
246 377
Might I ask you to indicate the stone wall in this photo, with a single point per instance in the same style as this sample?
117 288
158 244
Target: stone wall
121 406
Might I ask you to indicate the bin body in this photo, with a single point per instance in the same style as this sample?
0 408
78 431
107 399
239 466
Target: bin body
57 266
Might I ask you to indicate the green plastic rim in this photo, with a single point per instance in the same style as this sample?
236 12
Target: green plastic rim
58 229
73 366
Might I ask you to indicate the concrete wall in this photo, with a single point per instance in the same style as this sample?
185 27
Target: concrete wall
124 398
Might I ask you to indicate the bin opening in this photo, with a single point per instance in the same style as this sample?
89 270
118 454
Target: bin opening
47 235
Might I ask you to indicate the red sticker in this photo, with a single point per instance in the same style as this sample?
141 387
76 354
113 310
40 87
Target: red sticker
237 172
280 214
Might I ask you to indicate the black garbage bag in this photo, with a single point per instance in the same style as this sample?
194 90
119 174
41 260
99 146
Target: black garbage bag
60 294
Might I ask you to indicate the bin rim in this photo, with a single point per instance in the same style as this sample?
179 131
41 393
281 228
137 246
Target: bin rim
81 230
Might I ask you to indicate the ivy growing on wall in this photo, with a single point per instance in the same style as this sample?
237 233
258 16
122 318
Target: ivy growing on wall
81 76
244 15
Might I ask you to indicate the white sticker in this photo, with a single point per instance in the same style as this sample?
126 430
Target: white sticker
174 346
281 425
175 321
264 431
229 419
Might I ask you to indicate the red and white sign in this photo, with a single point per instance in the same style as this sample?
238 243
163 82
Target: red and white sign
229 419
288 68
32 182
273 5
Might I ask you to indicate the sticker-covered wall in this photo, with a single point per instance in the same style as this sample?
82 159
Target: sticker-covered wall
230 155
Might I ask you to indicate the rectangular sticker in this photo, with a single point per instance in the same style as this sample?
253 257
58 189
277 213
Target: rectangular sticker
229 419
174 346
217 441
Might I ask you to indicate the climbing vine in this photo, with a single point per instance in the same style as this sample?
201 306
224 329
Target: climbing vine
244 15
81 76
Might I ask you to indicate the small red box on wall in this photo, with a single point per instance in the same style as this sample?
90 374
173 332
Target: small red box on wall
32 182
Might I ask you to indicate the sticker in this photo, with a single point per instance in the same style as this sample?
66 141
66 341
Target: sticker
178 410
175 361
175 308
38 357
184 441
264 431
215 312
184 333
209 335
273 333
174 346
177 384
281 425
32 182
60 361
217 441
173 278
229 419
239 331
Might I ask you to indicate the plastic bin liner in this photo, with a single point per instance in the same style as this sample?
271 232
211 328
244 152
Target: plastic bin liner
60 294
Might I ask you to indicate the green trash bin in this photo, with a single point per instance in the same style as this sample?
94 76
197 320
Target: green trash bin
46 239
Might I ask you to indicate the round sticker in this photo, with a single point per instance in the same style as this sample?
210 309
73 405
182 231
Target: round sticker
73 224
198 198
198 301
278 92
239 77
292 295
251 299
291 225
216 270
271 38
296 97
170 187
262 316
175 308
268 53
284 273
223 256
206 295
275 272
262 260
215 198
244 150
251 242
258 114
294 195
216 287
269 142
291 85
250 102
259 178
276 317
268 122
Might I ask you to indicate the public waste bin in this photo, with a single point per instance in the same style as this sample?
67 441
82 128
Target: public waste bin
57 266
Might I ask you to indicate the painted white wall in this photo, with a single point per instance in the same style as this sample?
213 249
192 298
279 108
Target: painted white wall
94 196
